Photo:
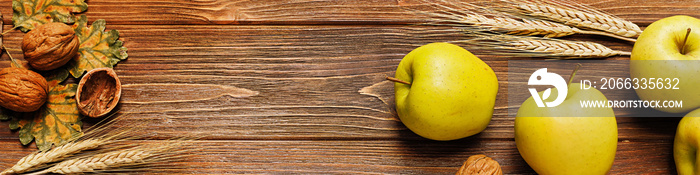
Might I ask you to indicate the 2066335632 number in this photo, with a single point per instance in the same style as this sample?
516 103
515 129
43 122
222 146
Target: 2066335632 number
639 83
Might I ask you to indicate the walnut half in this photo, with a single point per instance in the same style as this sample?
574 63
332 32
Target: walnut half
481 165
98 92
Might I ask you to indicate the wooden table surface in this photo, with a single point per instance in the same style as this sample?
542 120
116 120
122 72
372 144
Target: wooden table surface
297 86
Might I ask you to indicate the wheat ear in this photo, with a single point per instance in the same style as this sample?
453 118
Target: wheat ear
114 159
525 27
469 17
539 47
98 135
583 18
139 157
565 49
56 154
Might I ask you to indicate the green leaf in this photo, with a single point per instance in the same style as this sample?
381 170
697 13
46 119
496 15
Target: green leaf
97 48
56 75
57 122
28 14
14 124
3 115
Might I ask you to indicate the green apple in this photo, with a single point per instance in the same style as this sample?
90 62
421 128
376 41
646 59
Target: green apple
567 139
451 94
666 39
686 143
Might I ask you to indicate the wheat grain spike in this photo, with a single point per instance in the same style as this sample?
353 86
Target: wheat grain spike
468 16
56 154
574 49
538 47
100 134
525 27
139 157
578 16
108 160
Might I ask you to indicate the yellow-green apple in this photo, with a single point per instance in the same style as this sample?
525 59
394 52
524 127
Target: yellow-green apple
686 143
567 139
672 38
449 93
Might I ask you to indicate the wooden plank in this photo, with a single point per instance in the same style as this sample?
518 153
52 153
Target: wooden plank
257 74
372 156
243 81
255 89
275 93
318 11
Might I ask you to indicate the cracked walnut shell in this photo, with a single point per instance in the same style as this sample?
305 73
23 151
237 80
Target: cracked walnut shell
481 165
98 92
22 90
50 46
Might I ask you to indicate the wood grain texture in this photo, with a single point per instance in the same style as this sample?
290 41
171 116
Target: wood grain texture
319 11
297 87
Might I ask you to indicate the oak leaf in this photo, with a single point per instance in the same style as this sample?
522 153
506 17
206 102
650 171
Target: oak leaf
57 122
28 14
98 48
4 115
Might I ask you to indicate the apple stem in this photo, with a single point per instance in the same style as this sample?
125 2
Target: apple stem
397 80
684 40
573 73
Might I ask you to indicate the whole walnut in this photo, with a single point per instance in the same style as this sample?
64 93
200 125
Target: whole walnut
480 165
50 46
22 90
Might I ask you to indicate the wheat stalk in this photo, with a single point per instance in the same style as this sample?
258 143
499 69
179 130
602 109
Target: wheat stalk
525 27
565 49
56 154
578 16
473 17
469 17
98 135
531 27
539 47
109 160
144 156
